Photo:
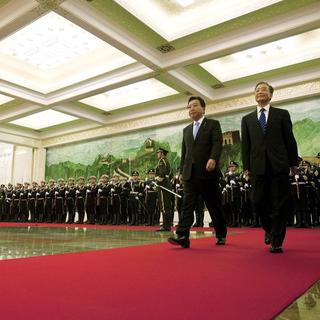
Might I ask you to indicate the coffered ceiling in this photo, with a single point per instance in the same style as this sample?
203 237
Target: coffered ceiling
69 66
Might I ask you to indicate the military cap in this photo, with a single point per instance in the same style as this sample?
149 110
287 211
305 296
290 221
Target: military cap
92 178
51 180
70 179
299 159
151 171
116 175
135 173
81 178
104 176
233 163
60 180
318 155
164 151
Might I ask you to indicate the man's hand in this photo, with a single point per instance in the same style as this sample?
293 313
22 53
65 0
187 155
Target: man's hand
211 165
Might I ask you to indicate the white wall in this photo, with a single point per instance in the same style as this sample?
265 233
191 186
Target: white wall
6 161
21 164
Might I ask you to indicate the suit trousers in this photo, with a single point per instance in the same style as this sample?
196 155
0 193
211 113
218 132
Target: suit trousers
270 196
211 194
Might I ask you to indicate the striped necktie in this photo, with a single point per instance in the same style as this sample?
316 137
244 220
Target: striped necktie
263 121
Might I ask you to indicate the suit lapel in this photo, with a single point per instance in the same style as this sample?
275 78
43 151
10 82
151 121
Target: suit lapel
271 117
189 133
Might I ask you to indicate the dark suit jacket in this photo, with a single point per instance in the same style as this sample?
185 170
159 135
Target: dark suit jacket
196 153
278 145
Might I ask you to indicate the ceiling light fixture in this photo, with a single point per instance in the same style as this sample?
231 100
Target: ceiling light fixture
270 56
43 119
131 94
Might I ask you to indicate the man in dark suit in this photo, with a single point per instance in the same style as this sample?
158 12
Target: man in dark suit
201 149
269 151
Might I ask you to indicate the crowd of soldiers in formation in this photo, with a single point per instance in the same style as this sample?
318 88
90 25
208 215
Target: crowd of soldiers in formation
119 200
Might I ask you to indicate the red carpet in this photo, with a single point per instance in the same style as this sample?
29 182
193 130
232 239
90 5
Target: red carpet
239 281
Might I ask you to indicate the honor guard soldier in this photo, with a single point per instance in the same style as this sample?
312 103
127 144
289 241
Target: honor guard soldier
8 202
178 187
91 200
41 195
124 196
115 199
50 201
246 206
163 178
103 211
15 206
24 197
316 221
60 194
32 195
135 197
232 178
80 199
70 199
151 199
2 201
299 191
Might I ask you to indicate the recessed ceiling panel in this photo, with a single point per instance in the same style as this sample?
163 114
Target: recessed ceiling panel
43 119
51 41
270 56
135 93
4 99
173 19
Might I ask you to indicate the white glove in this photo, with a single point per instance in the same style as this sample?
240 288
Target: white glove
232 182
29 194
113 190
56 192
99 190
77 191
21 194
67 192
47 193
88 191
38 194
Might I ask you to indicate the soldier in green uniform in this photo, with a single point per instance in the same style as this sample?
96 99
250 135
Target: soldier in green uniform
163 178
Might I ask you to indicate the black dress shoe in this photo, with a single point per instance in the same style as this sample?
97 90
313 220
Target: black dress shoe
182 241
221 241
276 249
267 238
163 230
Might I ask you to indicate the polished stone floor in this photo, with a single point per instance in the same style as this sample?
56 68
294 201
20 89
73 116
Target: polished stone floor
21 242
28 241
306 307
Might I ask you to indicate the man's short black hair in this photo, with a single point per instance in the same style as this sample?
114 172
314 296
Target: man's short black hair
203 104
267 84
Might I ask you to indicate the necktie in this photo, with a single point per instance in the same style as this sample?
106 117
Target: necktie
196 127
263 121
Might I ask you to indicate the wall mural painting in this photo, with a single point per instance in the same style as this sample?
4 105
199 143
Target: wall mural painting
137 151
